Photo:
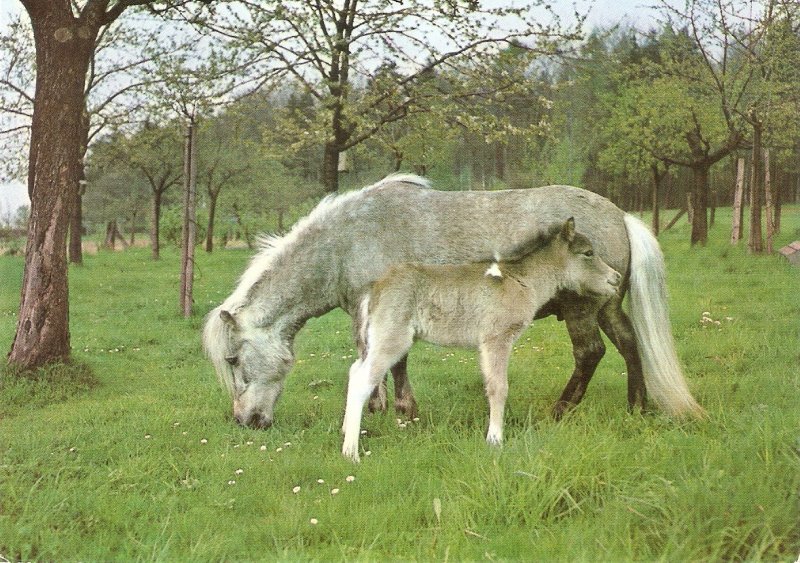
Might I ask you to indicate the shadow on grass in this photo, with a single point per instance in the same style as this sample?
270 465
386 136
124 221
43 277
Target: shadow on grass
55 383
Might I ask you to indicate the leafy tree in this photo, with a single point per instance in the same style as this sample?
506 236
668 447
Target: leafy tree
329 47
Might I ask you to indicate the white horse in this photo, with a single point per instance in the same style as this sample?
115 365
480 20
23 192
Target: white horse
481 305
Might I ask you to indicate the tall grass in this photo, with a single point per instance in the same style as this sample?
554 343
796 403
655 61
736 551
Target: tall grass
137 457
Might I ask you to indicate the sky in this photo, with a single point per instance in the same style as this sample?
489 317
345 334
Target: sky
602 13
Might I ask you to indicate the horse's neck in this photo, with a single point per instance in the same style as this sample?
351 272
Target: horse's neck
289 293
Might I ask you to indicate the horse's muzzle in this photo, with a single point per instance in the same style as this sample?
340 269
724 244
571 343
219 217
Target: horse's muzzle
255 420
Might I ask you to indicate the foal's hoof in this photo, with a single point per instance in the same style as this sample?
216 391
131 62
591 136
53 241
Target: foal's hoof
351 454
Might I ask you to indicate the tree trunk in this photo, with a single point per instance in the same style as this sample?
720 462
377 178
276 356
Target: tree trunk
738 208
700 204
189 219
155 227
62 57
755 242
657 177
212 214
330 168
75 252
768 207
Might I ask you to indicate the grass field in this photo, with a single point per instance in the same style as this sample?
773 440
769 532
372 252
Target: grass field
131 452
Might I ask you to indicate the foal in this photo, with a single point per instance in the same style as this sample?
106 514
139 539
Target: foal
481 305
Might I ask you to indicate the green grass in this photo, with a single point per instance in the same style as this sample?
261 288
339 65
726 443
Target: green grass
135 456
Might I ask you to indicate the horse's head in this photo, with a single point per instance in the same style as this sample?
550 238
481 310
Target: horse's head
251 362
584 271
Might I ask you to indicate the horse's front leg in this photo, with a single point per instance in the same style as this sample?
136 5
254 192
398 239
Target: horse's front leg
404 402
587 348
494 357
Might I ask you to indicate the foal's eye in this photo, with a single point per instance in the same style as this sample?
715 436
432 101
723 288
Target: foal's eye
589 253
232 360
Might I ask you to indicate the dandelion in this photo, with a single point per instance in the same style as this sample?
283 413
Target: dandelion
296 489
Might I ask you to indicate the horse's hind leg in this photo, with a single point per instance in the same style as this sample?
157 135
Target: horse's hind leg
587 348
616 324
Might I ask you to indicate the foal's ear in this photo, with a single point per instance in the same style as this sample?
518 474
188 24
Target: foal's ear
228 318
568 230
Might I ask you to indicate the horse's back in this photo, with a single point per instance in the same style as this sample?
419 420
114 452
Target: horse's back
402 222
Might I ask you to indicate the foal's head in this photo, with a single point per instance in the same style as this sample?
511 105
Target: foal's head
583 271
251 362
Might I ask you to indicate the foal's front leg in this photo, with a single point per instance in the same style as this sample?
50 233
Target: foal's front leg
494 357
360 384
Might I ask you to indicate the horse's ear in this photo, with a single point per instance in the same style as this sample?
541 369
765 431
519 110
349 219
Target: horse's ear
228 318
568 230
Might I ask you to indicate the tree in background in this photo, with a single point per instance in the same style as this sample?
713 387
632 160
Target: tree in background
330 47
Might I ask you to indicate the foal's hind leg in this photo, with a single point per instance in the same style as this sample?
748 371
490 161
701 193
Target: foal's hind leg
587 348
494 357
386 348
616 324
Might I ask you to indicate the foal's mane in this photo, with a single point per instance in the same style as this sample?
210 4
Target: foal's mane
534 242
217 334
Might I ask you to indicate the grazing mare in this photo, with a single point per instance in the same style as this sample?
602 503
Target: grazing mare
333 256
481 305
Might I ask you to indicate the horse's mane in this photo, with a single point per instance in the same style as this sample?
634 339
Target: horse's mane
217 333
216 336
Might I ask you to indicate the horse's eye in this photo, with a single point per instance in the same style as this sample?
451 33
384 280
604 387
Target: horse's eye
589 253
232 360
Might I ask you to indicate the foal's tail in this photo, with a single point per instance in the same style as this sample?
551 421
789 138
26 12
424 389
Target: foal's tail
650 317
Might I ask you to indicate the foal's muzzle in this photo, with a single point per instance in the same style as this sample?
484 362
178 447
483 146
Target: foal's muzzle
255 420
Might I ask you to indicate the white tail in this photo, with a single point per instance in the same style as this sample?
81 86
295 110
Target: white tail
649 314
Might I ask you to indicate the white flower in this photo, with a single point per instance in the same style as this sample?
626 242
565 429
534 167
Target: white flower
321 481
350 478
263 448
231 482
296 489
314 521
334 491
239 471
204 441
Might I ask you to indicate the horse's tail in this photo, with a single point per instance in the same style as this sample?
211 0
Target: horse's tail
649 313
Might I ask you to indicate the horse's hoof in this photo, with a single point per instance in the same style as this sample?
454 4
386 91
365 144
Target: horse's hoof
407 408
560 409
377 405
